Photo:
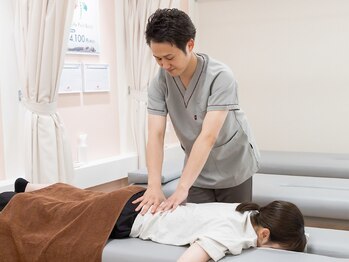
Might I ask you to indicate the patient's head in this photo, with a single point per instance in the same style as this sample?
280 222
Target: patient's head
279 224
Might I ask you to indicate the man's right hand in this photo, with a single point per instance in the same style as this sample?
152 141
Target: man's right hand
152 198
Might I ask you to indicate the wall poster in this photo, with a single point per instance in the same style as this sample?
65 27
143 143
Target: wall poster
84 31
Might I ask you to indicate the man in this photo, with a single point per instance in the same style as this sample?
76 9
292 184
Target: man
200 96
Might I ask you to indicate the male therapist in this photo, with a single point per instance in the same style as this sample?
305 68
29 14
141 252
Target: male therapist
200 96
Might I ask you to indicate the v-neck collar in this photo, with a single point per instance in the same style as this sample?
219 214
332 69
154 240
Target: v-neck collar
187 93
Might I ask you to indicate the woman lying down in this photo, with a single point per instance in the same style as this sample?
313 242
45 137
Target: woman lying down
211 229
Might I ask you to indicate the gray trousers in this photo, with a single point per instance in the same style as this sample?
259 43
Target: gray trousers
238 194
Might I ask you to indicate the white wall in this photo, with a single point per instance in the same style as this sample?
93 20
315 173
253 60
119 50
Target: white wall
95 113
291 59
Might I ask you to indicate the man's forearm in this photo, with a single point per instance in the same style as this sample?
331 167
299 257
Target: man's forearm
155 154
202 147
196 161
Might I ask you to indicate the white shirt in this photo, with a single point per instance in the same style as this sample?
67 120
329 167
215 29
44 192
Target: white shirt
216 227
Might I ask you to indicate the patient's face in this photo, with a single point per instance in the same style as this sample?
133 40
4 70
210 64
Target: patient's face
170 57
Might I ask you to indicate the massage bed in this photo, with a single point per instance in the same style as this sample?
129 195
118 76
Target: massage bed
78 210
135 250
317 183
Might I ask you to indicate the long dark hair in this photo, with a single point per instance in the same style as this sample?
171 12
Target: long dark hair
284 221
170 25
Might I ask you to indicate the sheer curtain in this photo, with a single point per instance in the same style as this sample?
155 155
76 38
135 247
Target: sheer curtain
41 35
140 64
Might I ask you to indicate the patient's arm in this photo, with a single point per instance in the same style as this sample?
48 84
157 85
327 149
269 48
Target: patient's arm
194 253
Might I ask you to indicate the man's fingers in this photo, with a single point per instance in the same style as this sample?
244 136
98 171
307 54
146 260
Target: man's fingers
160 207
155 208
145 209
140 199
139 207
167 206
150 200
148 205
174 206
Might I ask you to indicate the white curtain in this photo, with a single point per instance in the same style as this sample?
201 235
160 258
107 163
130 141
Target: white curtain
41 35
140 64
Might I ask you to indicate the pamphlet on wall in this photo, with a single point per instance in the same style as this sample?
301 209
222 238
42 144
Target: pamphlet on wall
84 31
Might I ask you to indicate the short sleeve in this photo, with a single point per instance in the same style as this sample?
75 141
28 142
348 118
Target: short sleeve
156 96
223 94
213 248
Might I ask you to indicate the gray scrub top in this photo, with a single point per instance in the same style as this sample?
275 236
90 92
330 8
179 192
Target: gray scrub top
234 157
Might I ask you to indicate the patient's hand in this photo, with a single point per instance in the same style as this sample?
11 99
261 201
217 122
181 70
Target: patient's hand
152 198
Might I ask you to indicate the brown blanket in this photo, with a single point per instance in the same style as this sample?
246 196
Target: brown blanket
60 223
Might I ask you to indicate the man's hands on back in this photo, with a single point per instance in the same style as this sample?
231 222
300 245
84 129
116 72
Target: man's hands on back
155 199
152 198
177 198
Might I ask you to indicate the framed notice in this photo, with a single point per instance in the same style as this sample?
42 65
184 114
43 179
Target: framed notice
71 79
96 78
84 32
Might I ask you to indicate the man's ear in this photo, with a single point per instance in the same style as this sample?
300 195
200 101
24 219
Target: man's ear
264 235
191 44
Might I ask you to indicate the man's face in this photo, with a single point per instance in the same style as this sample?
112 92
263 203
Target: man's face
170 57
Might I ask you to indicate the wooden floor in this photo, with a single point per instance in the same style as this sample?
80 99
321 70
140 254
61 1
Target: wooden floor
327 223
309 221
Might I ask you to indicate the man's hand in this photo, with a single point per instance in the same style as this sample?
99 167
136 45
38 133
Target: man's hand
152 197
178 197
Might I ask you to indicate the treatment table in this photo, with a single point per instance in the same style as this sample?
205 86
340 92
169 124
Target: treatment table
317 183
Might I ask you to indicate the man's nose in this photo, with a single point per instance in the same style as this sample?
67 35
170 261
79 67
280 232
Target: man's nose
165 65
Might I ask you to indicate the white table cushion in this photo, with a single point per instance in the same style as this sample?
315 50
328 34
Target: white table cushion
304 164
328 242
140 176
315 196
135 250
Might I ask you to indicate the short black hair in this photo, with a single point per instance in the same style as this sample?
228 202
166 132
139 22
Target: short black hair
170 25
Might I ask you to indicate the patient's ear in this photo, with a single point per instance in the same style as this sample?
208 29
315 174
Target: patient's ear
263 236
